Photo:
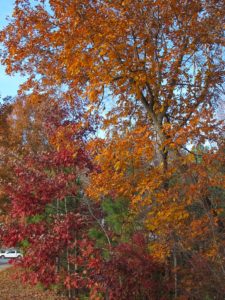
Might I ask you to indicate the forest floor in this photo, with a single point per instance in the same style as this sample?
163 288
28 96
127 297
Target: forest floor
12 289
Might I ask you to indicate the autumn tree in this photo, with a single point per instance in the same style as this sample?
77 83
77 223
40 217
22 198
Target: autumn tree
160 61
156 71
23 130
47 217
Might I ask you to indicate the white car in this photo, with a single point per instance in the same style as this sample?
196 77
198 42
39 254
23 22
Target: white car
11 253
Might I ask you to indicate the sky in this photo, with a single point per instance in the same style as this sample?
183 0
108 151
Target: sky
8 84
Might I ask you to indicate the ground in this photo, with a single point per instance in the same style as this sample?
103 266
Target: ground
13 289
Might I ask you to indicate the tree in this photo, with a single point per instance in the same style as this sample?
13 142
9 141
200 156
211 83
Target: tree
148 54
48 219
24 129
156 70
132 273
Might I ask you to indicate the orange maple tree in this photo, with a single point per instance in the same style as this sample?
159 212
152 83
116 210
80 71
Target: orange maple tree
160 60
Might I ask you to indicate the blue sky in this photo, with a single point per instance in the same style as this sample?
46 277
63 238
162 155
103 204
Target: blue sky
8 84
